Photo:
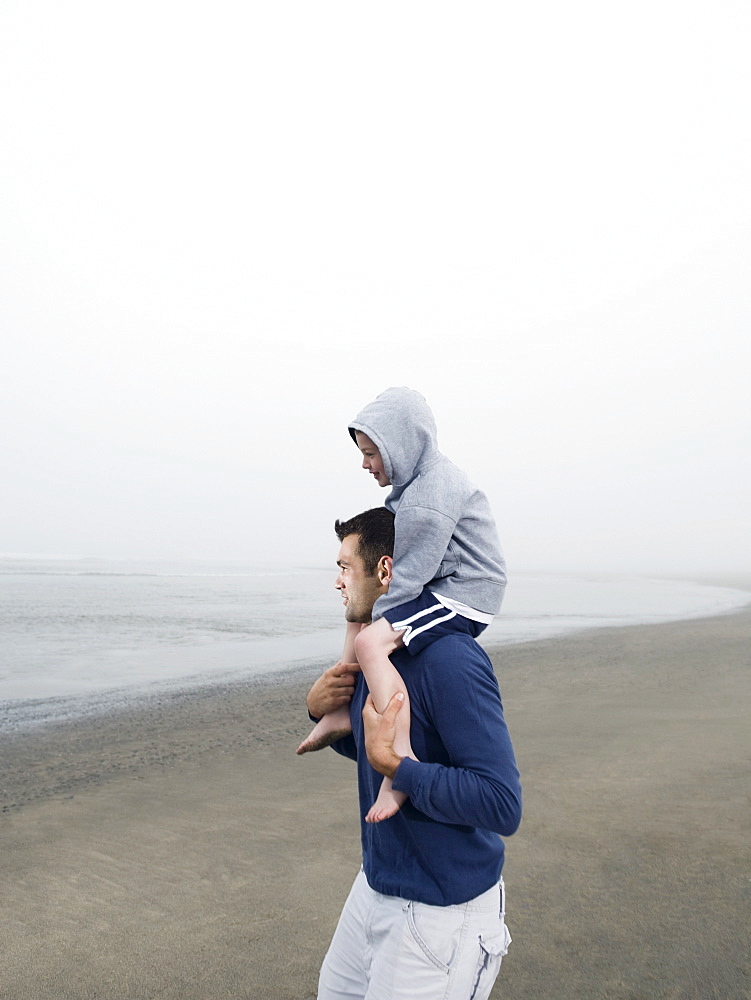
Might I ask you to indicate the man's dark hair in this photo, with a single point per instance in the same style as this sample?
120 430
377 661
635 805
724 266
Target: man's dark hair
375 529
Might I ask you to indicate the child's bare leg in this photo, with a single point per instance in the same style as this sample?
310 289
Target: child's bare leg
335 724
373 646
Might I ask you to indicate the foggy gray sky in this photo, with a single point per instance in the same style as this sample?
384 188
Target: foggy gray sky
225 227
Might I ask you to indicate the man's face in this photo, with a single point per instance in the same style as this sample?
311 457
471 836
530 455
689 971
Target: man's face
371 459
358 588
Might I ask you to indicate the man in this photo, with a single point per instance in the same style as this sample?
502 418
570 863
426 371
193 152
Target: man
425 917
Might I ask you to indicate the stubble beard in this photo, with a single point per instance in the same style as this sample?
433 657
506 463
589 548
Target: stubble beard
357 611
359 616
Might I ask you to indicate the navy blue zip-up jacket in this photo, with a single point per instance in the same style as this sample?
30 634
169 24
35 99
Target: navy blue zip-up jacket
444 845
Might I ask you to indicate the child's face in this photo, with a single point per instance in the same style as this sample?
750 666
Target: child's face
371 459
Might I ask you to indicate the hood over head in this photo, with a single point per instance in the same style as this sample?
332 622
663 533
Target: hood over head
401 425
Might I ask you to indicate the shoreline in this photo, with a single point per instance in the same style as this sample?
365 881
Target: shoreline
103 677
21 714
167 851
35 768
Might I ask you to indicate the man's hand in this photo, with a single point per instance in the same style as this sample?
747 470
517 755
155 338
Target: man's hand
380 732
333 689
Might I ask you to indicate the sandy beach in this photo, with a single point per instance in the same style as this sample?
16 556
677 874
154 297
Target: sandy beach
181 851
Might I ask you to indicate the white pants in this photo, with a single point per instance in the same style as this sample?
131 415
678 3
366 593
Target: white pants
388 948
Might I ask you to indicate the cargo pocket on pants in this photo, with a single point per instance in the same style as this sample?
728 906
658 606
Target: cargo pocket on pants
492 949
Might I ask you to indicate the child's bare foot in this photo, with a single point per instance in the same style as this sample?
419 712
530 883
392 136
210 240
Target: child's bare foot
318 742
332 727
389 801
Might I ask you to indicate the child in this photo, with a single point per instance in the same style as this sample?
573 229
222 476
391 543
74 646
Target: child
448 572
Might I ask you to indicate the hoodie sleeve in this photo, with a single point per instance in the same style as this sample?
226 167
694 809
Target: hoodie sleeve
422 536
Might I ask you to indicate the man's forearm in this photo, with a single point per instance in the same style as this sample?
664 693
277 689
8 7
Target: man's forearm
461 795
383 760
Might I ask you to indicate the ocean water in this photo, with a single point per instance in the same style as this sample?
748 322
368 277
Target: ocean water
77 632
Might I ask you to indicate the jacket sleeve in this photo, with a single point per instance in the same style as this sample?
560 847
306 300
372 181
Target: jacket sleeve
422 536
346 747
478 784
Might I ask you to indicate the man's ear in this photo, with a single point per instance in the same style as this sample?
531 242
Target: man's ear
385 567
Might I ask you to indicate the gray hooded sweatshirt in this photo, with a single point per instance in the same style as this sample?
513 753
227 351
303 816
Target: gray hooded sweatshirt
446 538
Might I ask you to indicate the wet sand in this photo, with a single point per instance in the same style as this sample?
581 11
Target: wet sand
181 850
